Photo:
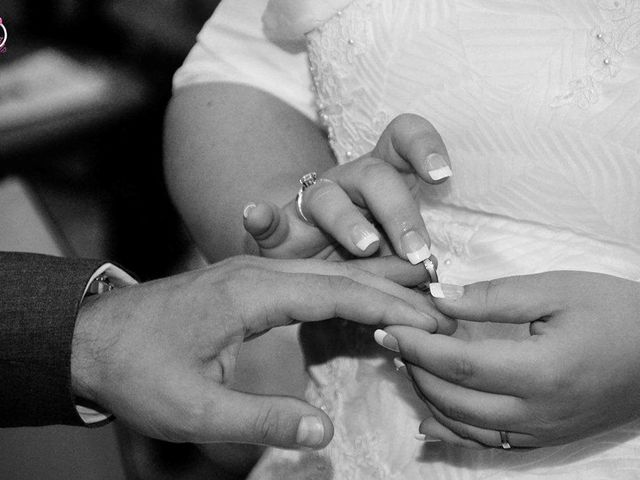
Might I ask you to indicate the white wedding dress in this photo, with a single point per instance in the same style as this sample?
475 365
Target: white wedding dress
538 102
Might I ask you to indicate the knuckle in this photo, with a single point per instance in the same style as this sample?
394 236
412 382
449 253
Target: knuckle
555 381
415 127
265 425
455 412
238 263
374 169
187 423
404 121
318 193
492 294
340 283
349 271
462 369
540 424
243 275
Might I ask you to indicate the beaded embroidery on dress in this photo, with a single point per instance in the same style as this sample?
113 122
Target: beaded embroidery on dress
538 102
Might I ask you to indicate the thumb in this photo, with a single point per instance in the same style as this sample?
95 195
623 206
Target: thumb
519 299
268 420
266 224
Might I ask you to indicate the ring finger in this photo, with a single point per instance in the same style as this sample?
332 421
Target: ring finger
465 405
328 206
371 183
484 436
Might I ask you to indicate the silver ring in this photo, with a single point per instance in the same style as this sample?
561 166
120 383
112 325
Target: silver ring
430 266
504 440
307 181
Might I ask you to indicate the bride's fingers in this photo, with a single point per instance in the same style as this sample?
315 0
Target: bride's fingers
278 236
431 430
467 406
374 184
480 436
498 366
328 206
411 143
264 222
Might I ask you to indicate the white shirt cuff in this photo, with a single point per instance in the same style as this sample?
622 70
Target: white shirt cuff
119 278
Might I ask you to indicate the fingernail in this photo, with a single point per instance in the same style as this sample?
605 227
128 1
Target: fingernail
310 432
363 237
423 438
445 290
437 167
247 209
415 247
401 368
387 341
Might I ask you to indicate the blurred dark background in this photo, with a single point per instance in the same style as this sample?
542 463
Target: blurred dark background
83 89
93 161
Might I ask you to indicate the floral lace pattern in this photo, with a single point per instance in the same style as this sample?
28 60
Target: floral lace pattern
608 45
330 73
526 196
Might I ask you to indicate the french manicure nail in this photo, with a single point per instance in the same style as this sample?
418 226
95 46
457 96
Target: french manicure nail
445 290
363 237
399 363
401 368
247 209
421 437
415 247
387 341
437 167
310 432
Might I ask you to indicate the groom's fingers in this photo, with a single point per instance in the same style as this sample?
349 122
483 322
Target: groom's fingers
395 269
284 422
497 366
269 299
411 143
378 293
520 299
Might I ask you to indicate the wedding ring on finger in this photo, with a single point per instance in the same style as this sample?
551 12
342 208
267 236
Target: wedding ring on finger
504 440
432 274
307 181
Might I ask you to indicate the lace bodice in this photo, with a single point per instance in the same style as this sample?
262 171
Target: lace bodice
538 102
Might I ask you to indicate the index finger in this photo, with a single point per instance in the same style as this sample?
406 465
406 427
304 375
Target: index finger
376 286
306 297
489 365
518 299
395 269
411 143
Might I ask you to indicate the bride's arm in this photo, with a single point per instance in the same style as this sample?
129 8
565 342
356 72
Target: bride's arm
227 145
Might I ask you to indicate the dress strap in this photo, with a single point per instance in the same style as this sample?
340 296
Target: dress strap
292 19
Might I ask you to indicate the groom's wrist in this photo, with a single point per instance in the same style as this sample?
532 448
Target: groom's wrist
95 309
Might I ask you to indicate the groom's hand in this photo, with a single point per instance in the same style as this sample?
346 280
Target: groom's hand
160 355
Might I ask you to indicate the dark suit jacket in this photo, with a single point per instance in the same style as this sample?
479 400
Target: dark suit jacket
39 301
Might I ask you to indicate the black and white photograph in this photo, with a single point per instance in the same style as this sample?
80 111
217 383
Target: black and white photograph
320 239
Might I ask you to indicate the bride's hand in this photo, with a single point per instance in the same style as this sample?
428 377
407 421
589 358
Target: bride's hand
377 188
576 375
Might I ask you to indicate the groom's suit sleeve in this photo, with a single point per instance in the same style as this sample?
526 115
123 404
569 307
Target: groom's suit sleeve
39 301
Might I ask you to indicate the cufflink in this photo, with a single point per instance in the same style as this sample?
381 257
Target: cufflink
100 285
